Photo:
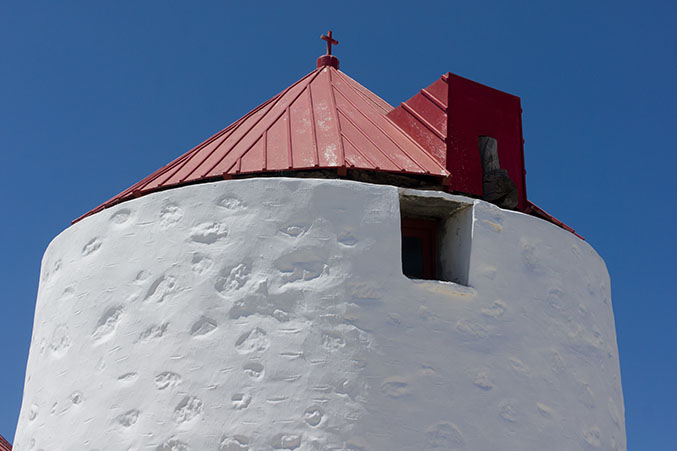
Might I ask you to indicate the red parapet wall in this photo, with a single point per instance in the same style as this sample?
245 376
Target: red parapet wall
448 117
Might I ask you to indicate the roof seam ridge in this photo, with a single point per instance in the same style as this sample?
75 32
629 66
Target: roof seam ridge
364 96
338 121
272 105
282 94
290 155
264 137
416 144
376 146
164 170
379 128
428 155
357 149
361 94
437 102
243 154
265 132
228 131
316 153
423 122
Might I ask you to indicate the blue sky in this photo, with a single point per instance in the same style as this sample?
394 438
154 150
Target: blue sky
94 96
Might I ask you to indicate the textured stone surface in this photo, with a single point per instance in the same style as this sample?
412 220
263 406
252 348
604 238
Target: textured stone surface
272 314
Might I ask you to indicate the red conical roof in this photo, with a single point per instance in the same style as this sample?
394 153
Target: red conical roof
325 120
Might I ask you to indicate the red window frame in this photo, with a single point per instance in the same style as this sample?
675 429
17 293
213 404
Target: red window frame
426 231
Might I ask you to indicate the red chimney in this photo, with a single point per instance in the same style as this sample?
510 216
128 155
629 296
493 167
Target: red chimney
452 118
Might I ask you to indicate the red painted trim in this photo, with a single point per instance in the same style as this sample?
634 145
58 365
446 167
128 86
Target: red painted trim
537 211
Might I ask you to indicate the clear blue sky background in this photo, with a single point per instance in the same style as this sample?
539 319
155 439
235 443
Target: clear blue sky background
96 95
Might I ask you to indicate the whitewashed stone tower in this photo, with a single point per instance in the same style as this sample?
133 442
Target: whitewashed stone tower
250 296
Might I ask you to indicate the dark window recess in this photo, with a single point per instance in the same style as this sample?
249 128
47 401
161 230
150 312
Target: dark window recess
436 236
419 248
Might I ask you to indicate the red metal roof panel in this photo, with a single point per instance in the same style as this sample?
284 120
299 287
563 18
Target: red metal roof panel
324 120
424 118
4 444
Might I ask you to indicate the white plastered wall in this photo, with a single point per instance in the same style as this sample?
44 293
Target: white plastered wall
271 314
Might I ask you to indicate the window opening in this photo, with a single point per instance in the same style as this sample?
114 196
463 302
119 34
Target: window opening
436 235
419 248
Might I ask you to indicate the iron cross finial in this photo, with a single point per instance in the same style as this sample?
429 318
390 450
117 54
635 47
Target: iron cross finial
329 40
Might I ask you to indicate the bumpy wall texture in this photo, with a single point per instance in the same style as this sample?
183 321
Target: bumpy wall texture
272 314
